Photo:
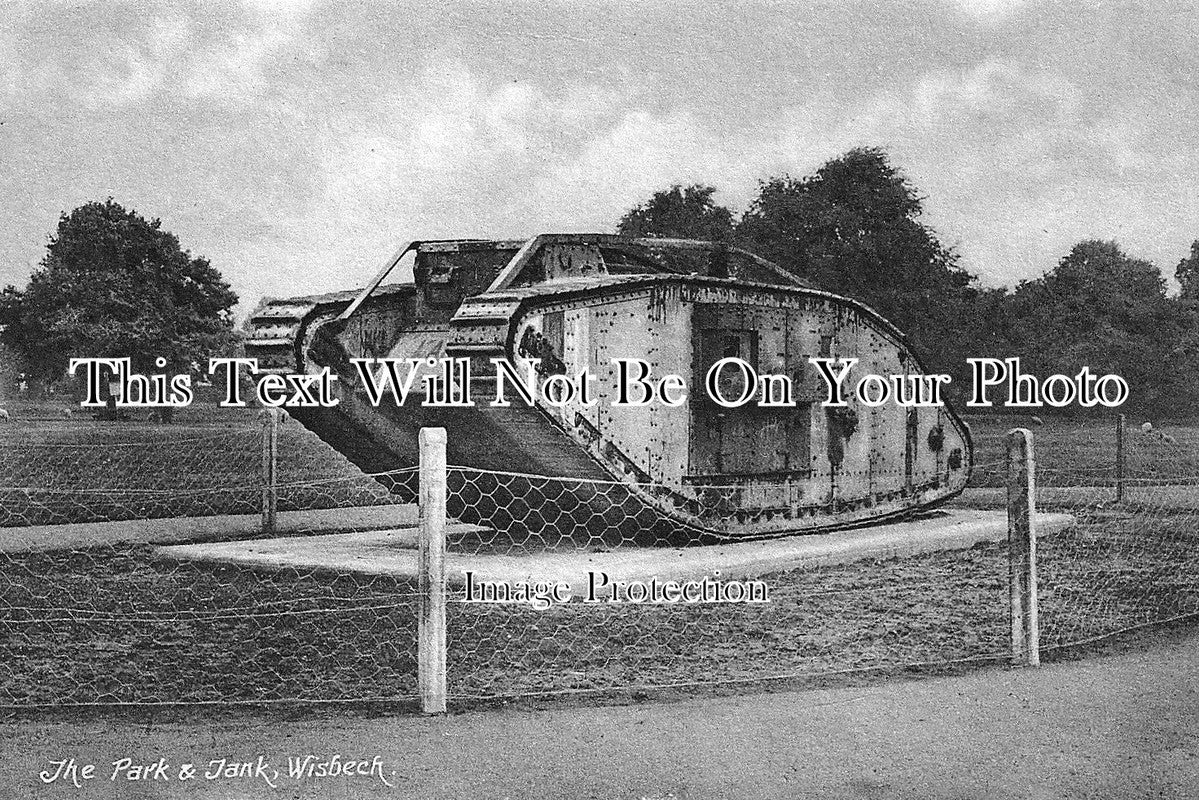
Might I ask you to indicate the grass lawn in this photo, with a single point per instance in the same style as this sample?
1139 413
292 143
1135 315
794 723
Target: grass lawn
116 625
80 470
58 470
1082 452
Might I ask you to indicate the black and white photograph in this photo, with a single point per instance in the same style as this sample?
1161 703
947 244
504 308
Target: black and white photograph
662 401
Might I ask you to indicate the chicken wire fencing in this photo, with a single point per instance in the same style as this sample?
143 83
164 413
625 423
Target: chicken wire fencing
1125 551
88 471
624 628
100 605
96 606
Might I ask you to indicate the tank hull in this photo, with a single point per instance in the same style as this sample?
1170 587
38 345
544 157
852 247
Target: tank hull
654 472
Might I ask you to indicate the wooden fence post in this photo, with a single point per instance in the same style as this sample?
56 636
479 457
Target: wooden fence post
431 642
1022 547
1120 458
270 468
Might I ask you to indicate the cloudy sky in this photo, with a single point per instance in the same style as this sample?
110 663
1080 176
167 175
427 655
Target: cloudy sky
295 143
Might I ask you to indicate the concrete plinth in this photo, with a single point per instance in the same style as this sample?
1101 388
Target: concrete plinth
392 552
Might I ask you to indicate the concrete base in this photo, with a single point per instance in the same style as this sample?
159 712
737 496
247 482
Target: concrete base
392 552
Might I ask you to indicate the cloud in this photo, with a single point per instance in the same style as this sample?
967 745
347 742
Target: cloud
1017 163
238 68
990 7
230 56
623 165
296 144
449 155
1012 160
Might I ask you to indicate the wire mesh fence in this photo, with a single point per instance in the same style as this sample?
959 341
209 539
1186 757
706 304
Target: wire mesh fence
55 473
114 625
1129 558
108 614
830 620
92 611
621 630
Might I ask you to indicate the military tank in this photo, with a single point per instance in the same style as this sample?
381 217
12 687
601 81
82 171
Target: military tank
661 474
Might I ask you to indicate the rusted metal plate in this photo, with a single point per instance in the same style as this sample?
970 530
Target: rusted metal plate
680 306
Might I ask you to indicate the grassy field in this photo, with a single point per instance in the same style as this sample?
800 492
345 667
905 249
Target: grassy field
58 470
1082 452
118 625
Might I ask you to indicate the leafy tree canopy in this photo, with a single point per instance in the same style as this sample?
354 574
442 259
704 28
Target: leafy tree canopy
679 213
114 284
1187 274
853 228
1097 284
1102 308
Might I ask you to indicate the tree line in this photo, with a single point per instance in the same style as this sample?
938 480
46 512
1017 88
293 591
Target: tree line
115 283
854 227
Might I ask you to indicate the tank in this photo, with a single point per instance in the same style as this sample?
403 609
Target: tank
657 473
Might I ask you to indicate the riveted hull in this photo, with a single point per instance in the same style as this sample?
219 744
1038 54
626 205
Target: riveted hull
656 472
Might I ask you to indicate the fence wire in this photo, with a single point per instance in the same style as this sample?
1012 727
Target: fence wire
86 471
1128 555
873 615
111 614
104 614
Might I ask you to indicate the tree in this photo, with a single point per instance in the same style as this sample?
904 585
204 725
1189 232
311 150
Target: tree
1101 308
113 284
1187 274
679 213
853 228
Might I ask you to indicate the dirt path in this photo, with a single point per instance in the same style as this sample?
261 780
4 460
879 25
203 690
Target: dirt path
1122 725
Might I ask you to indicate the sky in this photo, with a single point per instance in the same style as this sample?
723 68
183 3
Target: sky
295 144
